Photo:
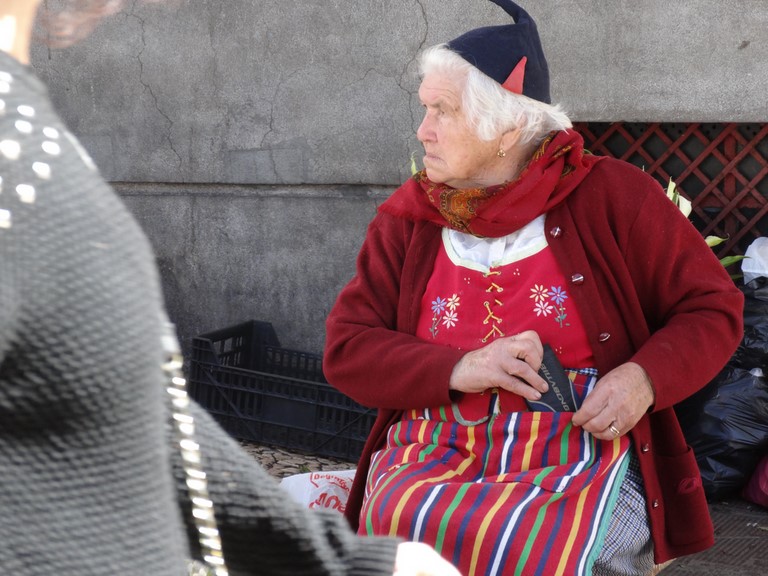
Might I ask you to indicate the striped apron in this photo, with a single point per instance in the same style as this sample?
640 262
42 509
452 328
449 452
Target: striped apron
495 492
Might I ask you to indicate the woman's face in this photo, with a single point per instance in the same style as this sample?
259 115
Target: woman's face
453 154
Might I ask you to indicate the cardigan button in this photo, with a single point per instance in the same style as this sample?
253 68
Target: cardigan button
577 279
645 448
556 232
655 503
604 336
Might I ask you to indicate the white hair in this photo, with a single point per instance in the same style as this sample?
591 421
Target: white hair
490 109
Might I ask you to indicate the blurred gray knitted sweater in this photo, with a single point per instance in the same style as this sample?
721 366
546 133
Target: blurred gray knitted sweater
89 481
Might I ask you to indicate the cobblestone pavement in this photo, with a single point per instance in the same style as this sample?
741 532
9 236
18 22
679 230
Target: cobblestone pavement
741 543
741 529
280 462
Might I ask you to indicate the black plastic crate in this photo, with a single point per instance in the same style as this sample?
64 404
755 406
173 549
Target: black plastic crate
263 393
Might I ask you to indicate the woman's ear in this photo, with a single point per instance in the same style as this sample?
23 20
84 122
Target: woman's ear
510 139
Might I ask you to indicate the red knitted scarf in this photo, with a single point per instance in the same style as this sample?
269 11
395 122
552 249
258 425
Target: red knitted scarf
553 172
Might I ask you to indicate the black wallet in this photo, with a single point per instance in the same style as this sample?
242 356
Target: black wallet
559 397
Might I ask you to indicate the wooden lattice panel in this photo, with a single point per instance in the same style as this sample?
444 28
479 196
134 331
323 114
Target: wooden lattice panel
721 168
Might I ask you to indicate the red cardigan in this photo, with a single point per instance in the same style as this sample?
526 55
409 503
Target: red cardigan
647 286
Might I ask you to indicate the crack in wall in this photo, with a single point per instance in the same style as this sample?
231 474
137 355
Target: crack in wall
403 75
148 87
401 81
271 126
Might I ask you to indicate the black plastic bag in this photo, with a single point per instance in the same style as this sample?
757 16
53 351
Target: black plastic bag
726 423
753 350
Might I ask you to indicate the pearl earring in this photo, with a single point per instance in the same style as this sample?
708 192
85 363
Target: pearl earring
501 153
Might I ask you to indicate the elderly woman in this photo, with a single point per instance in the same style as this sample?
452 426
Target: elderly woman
511 238
91 482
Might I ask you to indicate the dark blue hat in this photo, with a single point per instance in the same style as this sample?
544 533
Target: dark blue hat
510 54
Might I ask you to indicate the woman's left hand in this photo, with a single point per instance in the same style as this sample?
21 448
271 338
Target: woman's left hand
618 401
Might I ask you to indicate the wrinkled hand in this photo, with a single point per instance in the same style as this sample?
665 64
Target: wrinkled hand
418 559
618 401
511 363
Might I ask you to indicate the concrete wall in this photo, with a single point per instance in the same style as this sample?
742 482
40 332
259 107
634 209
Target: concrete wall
253 139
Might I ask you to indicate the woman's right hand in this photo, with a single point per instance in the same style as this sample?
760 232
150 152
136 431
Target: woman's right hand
511 363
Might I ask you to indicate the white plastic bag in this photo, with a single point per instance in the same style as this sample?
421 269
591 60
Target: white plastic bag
328 490
755 263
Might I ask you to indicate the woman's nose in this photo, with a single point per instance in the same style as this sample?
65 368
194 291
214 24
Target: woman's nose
425 131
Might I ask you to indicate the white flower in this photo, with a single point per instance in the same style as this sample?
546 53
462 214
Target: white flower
543 308
450 319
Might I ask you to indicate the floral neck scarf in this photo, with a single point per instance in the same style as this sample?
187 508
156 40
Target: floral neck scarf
552 173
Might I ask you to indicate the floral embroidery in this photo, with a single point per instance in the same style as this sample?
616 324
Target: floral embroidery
550 302
438 305
557 294
543 308
539 293
444 310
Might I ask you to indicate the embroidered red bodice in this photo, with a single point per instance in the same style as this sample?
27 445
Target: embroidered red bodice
467 305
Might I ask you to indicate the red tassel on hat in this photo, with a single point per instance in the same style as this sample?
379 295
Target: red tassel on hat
514 83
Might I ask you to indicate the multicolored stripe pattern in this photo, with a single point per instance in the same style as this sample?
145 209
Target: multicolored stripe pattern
519 493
